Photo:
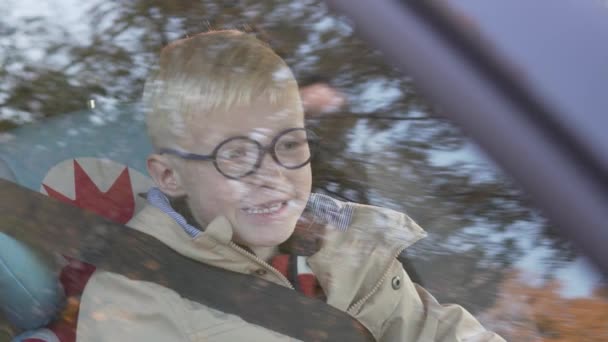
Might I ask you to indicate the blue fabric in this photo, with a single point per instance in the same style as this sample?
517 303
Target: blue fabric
158 199
30 294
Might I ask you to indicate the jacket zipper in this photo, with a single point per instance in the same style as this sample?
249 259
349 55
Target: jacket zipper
255 258
354 307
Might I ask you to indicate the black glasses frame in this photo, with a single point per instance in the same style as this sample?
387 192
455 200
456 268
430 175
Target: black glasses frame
312 138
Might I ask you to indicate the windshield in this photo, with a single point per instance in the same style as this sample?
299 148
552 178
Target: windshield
73 75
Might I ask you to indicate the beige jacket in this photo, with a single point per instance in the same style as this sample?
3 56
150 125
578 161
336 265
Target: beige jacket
357 269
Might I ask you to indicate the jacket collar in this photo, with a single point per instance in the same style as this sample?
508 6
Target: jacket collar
362 254
347 262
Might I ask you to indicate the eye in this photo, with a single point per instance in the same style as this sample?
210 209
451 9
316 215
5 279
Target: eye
234 154
291 145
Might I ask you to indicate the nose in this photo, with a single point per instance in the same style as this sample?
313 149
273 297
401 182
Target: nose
269 174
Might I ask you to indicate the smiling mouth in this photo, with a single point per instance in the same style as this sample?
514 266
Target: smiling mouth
269 208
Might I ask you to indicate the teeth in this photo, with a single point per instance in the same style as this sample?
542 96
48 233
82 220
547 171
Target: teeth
273 208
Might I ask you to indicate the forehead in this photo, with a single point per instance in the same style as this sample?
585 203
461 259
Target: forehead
261 119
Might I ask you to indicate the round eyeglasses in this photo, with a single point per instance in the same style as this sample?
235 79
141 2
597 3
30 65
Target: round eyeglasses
242 156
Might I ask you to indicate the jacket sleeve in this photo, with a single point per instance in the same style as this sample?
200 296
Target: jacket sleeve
419 317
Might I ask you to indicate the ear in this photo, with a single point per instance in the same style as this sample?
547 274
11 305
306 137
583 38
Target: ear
165 176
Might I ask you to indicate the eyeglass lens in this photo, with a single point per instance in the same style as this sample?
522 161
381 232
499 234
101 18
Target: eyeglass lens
240 156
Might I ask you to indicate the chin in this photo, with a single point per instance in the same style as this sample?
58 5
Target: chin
267 236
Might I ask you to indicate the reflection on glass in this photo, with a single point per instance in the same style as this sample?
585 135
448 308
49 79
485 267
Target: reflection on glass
383 144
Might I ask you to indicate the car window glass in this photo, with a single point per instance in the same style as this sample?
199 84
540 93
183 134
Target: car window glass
72 88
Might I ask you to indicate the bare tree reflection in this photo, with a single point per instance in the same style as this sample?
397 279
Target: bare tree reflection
381 140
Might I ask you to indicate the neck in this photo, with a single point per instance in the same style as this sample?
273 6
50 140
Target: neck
180 205
265 253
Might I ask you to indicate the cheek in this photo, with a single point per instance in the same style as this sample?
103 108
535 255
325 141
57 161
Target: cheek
223 195
235 190
302 180
209 193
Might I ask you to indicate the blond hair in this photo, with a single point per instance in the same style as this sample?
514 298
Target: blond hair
209 72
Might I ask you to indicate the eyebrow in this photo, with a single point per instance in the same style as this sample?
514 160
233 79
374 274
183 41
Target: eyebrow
273 133
252 134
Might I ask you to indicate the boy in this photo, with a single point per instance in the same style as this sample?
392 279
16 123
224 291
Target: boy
225 118
228 97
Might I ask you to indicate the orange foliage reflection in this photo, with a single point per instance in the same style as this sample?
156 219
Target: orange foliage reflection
524 312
